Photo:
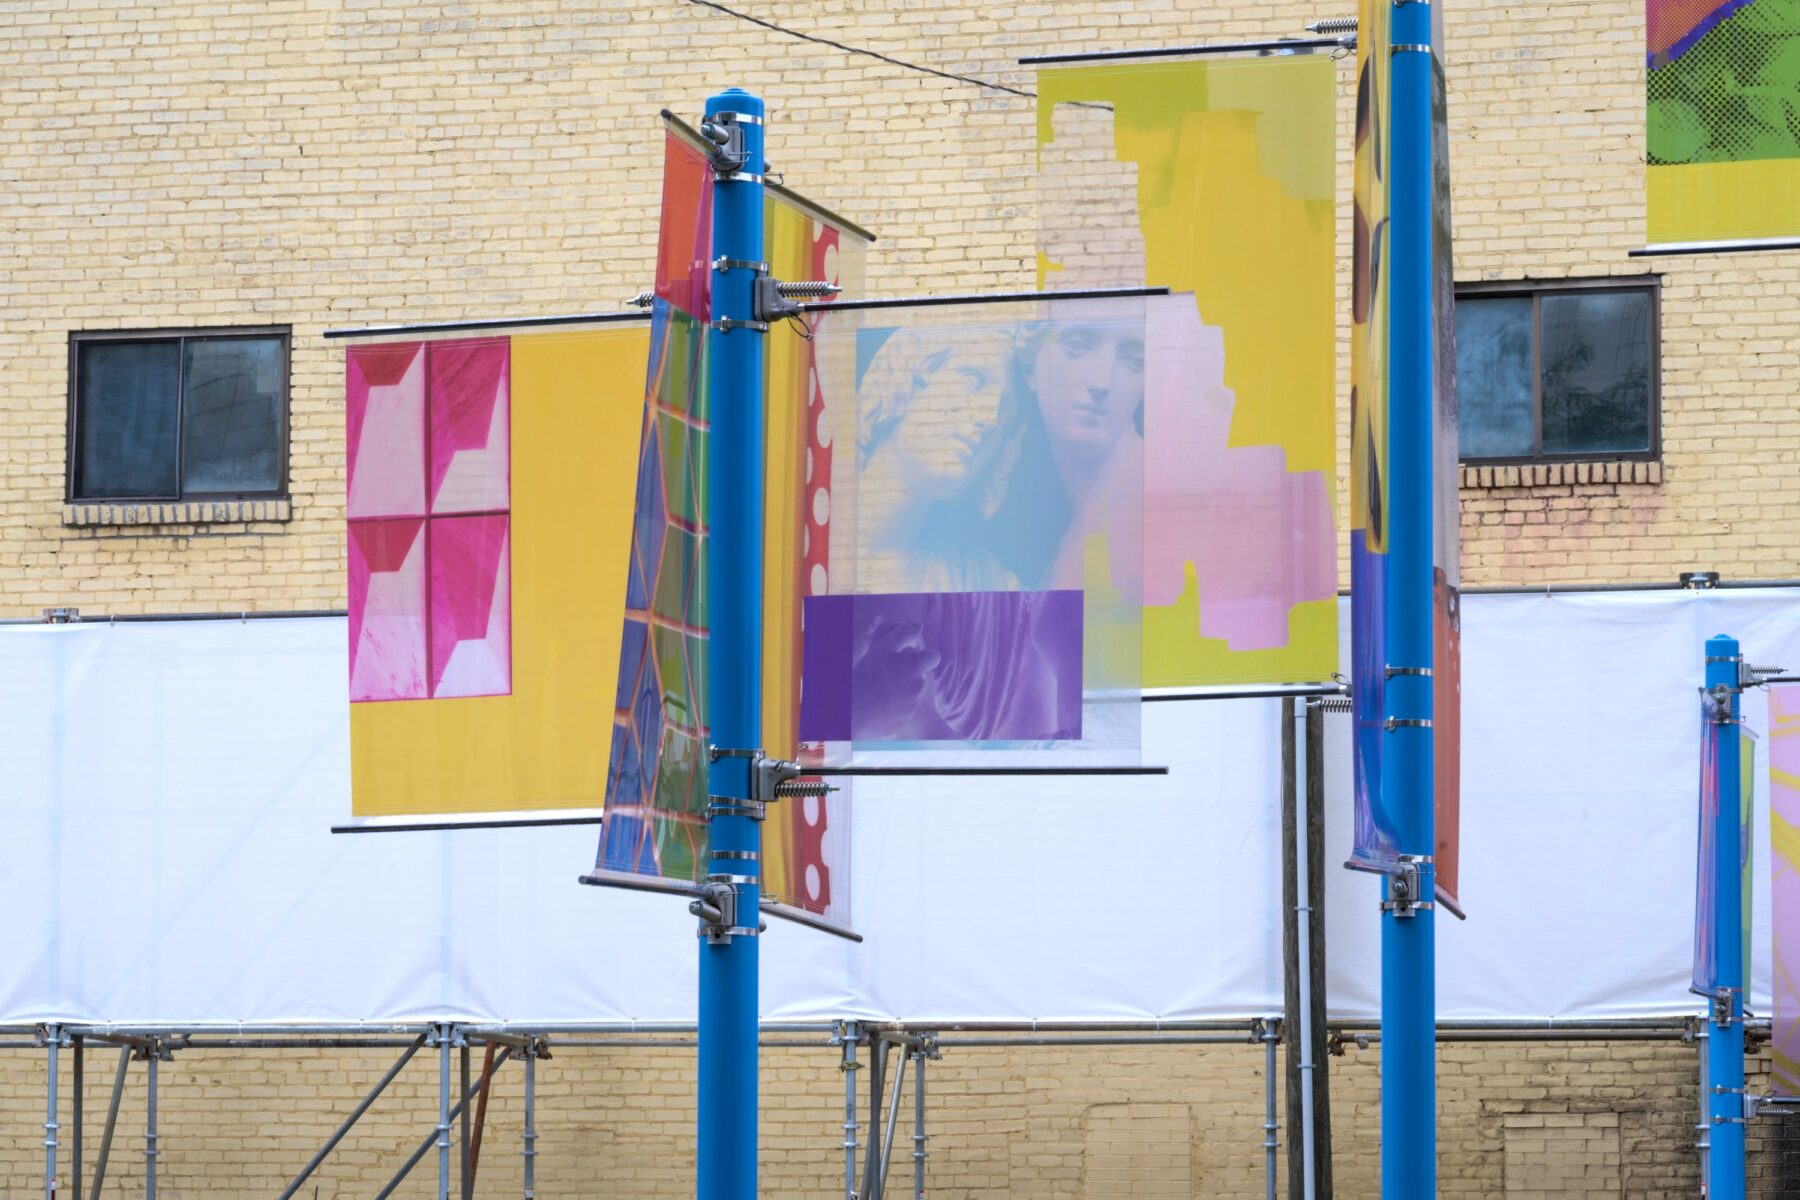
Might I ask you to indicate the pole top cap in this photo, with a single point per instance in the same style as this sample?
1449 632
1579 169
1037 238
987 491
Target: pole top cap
735 100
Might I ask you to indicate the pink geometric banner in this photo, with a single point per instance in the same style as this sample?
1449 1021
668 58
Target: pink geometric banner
430 587
469 424
387 609
471 607
385 399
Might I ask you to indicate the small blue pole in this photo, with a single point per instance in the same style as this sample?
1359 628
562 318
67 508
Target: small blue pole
1725 1043
726 1166
1408 967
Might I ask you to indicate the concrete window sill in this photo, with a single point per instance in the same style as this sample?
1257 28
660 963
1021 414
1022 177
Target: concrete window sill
1561 474
151 513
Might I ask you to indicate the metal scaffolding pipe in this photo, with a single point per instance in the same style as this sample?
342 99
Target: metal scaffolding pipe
1270 1145
443 1127
919 1125
112 1121
878 1051
530 1136
848 1036
150 1126
355 1115
893 1119
75 1163
53 1040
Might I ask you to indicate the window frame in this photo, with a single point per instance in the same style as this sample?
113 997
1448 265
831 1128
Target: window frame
1535 290
180 336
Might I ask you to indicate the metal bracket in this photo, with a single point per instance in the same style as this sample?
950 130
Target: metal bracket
740 264
734 806
1405 887
1423 671
717 908
1721 698
1721 1007
774 779
1393 723
715 753
727 324
725 130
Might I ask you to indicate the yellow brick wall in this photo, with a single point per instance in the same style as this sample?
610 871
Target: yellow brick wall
1523 1121
321 163
324 163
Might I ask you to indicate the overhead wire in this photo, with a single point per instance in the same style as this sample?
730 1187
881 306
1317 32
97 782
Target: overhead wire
865 52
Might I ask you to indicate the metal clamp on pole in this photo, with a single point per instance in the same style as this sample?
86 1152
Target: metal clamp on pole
1405 887
1723 1014
717 907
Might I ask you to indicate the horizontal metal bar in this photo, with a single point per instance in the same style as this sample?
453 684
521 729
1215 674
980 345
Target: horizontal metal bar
471 823
170 618
640 883
981 298
1277 692
1728 247
915 772
599 318
799 916
1320 43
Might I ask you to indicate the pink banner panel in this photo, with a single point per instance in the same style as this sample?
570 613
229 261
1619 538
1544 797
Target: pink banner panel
385 413
387 609
470 416
1784 882
1258 536
471 607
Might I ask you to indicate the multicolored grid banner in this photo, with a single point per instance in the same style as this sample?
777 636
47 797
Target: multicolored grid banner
1723 120
1375 838
1215 178
656 822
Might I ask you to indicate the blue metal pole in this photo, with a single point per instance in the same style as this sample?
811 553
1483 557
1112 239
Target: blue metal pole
1408 968
1725 1043
728 969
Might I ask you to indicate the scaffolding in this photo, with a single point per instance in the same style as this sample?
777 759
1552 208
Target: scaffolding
885 1050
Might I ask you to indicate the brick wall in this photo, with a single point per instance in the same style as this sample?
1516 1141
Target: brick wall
326 163
323 163
1523 1121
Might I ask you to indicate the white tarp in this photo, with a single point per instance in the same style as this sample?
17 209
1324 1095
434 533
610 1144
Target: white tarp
166 791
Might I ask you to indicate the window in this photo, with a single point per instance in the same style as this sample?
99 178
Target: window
176 416
1558 372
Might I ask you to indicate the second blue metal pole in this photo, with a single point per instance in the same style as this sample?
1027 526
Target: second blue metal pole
726 1167
1725 1040
1408 964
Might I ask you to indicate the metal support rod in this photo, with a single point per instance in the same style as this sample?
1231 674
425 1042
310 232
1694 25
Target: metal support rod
464 1179
112 1121
1725 1178
1703 1140
150 1149
75 1164
1303 914
919 1124
871 1173
1408 950
481 1105
893 1119
355 1116
849 1035
1269 1038
54 1044
727 1127
442 1127
530 1137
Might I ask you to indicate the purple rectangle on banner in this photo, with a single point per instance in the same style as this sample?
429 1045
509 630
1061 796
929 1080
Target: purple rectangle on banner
942 666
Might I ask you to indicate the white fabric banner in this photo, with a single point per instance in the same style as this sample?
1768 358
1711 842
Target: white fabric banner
169 787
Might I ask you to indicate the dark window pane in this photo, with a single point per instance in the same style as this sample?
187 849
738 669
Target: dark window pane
1596 361
231 431
1494 392
126 419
